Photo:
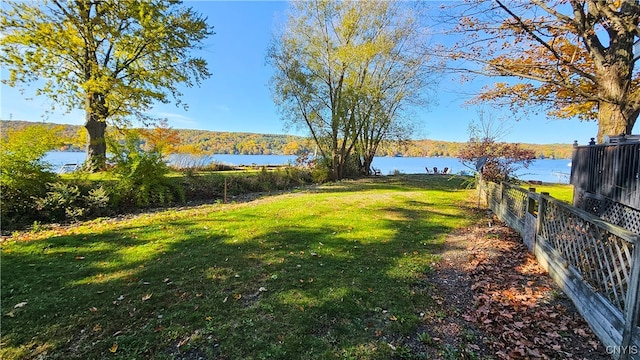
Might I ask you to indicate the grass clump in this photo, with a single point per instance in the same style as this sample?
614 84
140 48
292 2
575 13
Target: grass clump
324 273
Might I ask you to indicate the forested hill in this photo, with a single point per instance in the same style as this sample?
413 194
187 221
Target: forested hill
215 142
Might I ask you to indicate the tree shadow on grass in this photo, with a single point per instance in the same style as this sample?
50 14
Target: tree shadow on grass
185 287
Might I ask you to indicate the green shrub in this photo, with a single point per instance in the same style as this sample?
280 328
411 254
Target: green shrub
212 185
60 202
97 201
140 176
67 201
23 174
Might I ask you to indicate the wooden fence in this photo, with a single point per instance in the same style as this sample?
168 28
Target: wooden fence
593 262
606 180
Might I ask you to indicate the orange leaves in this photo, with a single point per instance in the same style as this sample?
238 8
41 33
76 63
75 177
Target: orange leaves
516 304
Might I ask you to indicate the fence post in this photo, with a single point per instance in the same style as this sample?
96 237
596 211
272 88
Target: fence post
502 206
542 208
225 190
530 221
632 303
531 205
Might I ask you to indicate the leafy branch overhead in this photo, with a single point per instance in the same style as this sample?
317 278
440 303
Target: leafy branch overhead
570 58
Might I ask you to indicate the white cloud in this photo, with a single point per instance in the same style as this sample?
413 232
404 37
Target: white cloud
176 119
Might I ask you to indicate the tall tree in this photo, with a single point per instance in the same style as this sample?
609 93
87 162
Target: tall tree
575 58
346 71
111 58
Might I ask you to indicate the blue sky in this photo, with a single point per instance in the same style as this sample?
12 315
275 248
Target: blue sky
237 97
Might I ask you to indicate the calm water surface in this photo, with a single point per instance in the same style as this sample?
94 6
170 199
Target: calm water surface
543 170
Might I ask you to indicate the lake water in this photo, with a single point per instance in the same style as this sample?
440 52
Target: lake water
543 170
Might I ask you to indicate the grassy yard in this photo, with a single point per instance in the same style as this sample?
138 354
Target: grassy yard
336 271
562 192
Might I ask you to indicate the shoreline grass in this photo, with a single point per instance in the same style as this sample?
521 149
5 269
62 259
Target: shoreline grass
337 271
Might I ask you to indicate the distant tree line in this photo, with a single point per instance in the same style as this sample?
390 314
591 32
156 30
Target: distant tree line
215 142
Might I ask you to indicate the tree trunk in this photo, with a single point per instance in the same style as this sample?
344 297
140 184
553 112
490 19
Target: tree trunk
96 145
95 125
366 167
613 121
617 111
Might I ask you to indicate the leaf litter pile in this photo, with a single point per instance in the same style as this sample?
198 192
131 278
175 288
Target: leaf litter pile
499 303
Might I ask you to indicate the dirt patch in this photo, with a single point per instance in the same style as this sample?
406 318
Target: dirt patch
497 302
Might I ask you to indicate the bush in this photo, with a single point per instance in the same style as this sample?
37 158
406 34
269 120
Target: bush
23 175
501 160
211 186
65 201
60 202
141 176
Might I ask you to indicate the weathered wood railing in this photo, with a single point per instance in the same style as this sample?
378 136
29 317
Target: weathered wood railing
593 262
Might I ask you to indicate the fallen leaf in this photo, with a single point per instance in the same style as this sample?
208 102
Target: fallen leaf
146 297
93 309
114 347
580 332
184 341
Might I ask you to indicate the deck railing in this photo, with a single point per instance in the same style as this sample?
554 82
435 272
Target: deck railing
606 180
594 262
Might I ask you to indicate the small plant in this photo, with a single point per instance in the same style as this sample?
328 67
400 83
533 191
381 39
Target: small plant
97 201
404 352
450 352
425 338
37 226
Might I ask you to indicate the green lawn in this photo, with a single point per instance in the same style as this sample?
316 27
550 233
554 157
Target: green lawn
337 271
562 192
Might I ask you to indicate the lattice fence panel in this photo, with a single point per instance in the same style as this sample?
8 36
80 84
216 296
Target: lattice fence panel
602 258
493 192
516 201
610 211
622 215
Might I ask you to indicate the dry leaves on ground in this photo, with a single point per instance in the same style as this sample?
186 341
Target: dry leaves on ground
516 307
